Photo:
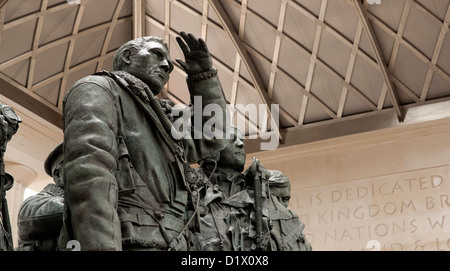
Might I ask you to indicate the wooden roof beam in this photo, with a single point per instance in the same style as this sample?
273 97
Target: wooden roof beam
374 43
138 18
436 54
70 49
240 47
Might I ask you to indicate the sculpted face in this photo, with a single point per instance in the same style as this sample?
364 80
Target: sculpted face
57 175
233 156
283 194
151 64
280 186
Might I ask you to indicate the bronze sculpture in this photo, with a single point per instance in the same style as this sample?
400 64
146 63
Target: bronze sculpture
40 216
221 178
9 123
128 182
286 226
245 211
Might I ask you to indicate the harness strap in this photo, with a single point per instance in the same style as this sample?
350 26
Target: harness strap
159 118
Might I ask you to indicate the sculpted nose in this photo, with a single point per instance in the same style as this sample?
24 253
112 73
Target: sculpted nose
165 65
240 144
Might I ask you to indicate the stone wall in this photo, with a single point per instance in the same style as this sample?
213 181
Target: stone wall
381 190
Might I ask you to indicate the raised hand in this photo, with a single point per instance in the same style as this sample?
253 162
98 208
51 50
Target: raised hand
196 55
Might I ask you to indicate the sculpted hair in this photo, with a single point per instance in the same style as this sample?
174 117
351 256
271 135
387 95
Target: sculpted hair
133 46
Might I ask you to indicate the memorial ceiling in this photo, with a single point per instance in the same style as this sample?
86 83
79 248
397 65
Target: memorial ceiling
319 68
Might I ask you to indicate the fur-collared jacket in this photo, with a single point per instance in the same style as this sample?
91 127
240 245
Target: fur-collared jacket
124 185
